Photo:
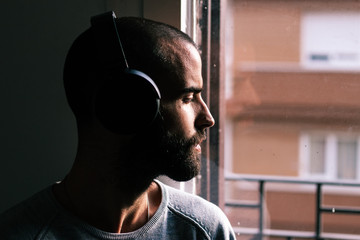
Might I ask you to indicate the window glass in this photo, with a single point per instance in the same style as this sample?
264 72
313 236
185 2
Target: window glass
291 127
346 159
317 155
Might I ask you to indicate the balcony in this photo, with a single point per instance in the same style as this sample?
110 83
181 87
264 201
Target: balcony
321 193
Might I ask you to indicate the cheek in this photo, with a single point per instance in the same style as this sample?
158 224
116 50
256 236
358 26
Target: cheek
180 121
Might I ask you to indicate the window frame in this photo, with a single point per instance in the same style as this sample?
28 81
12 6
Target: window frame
209 36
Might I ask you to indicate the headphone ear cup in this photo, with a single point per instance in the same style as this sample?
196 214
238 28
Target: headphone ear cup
127 102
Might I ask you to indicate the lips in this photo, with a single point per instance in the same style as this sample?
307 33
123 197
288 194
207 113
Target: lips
198 145
198 148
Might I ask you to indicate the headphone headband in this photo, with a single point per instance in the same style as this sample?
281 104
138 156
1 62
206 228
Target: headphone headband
127 100
107 36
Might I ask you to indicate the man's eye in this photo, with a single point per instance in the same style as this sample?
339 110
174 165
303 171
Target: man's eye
188 99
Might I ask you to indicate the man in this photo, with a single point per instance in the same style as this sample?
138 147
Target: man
110 192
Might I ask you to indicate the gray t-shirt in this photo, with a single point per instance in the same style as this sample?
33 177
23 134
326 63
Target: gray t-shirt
180 216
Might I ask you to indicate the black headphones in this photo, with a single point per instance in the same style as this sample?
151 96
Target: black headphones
126 100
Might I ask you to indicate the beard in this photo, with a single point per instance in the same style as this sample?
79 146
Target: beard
178 158
157 151
166 153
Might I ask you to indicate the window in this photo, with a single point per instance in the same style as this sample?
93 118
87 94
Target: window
330 40
329 156
291 124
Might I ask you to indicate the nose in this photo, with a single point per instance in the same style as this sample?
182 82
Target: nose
204 119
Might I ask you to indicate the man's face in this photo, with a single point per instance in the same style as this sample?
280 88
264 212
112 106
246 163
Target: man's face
185 119
172 146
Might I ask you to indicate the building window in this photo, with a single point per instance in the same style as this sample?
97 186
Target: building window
291 73
329 156
330 40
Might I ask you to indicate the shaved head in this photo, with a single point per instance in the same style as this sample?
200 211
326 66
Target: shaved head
157 49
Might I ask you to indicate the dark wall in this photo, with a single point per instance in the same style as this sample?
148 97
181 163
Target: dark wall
38 132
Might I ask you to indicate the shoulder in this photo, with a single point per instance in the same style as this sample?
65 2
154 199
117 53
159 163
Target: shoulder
205 215
26 219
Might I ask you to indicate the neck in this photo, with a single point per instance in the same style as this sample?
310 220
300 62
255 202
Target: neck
107 205
109 183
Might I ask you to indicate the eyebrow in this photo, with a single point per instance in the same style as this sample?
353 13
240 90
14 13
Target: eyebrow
191 90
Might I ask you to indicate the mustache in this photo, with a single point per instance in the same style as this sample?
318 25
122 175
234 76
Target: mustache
173 142
198 137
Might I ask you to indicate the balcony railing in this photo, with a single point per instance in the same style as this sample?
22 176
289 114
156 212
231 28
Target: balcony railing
260 232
